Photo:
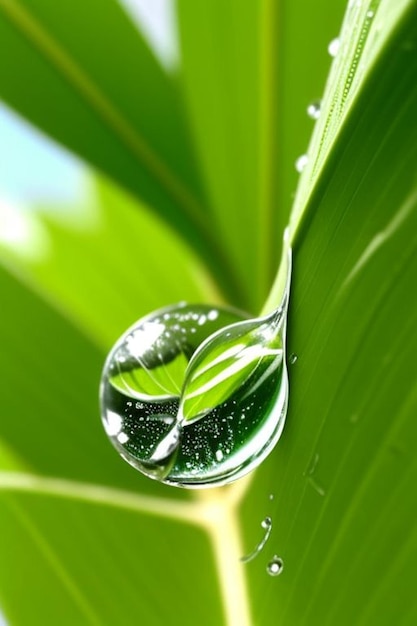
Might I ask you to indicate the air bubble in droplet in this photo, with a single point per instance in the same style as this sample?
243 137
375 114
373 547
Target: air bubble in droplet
173 392
334 47
213 315
275 566
314 110
301 163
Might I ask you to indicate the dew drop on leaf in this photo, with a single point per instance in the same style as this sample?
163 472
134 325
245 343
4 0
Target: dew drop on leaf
314 110
333 47
196 395
301 163
275 566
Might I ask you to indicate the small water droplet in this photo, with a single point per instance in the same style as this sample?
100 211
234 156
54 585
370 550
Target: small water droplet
293 359
275 566
314 110
267 526
271 496
176 384
334 47
370 14
301 163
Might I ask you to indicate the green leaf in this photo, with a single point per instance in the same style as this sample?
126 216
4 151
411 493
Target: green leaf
106 261
344 472
83 526
77 558
124 117
248 79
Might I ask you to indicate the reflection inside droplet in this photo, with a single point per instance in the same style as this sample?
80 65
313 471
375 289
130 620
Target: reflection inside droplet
194 395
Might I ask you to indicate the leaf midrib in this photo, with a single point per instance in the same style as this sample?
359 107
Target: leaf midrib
214 511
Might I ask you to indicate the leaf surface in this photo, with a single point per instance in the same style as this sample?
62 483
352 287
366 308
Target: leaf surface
106 98
248 78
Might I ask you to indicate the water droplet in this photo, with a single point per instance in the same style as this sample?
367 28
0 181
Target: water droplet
334 47
293 359
271 496
172 406
301 163
267 526
314 110
370 14
275 566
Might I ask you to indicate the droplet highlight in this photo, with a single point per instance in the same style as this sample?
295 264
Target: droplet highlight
275 566
314 110
301 163
334 47
196 396
293 358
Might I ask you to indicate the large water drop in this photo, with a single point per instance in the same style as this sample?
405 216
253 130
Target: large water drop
196 396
